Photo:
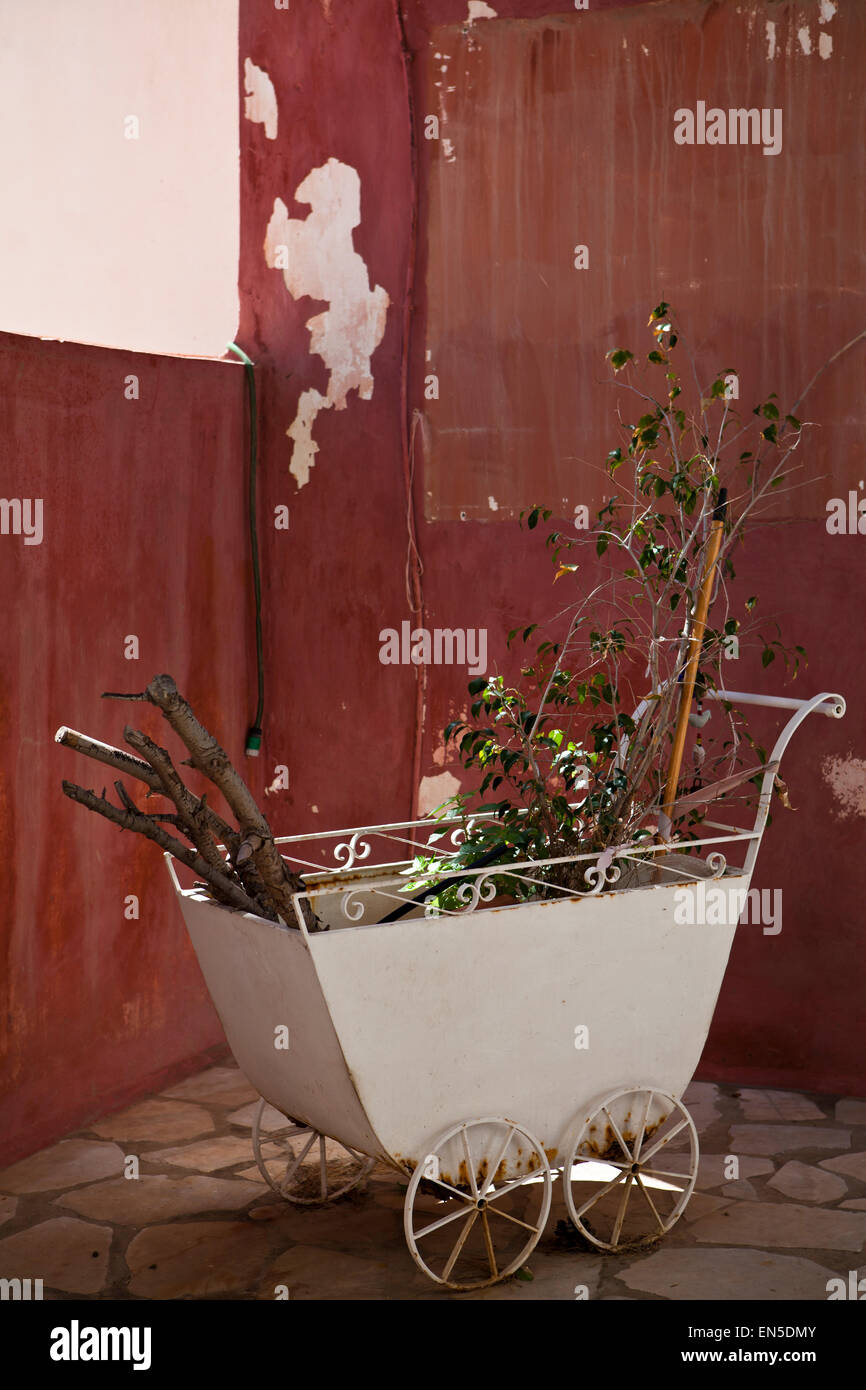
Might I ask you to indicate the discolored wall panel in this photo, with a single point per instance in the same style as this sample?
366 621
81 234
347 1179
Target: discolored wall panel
557 133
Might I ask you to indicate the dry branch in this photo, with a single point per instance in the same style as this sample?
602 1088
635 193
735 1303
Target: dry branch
209 758
117 758
253 877
195 815
121 761
224 888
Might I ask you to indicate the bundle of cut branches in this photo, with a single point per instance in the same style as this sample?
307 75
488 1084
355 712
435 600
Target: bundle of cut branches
240 865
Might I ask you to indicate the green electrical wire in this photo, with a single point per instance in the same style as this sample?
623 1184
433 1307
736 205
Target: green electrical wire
254 733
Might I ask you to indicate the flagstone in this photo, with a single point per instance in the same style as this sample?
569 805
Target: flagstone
851 1112
852 1165
552 1278
770 1106
153 1197
153 1120
396 1200
689 1274
65 1253
8 1208
742 1188
856 1204
701 1101
712 1168
67 1164
207 1155
192 1259
805 1183
270 1121
701 1204
777 1139
309 1272
251 1175
785 1224
219 1086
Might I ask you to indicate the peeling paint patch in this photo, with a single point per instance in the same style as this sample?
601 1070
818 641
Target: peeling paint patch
846 778
432 791
805 40
478 10
825 45
493 504
771 40
260 104
318 259
827 10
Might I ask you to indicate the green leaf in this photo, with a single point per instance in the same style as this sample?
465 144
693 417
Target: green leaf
793 422
656 357
750 602
476 685
767 655
769 411
601 545
619 357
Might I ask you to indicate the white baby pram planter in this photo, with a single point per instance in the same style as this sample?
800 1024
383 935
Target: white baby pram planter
484 1052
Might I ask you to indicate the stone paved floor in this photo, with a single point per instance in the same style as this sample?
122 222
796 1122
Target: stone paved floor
199 1221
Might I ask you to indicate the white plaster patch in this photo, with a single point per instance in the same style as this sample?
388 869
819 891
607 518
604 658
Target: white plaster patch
478 10
805 40
771 40
322 263
846 778
432 791
260 104
448 150
493 504
825 45
826 12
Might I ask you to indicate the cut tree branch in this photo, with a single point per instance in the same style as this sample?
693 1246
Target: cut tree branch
209 758
223 887
117 758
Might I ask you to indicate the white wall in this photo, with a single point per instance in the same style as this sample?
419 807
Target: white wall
128 243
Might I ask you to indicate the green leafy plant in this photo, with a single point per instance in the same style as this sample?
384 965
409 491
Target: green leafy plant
572 758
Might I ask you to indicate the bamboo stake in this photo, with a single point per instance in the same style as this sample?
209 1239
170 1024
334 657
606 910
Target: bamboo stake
696 638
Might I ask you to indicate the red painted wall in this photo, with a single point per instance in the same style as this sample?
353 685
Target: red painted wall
145 533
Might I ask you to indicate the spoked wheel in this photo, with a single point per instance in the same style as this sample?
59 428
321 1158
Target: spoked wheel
632 1168
477 1203
309 1169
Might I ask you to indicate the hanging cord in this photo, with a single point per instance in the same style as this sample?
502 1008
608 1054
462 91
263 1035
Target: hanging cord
254 733
414 567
